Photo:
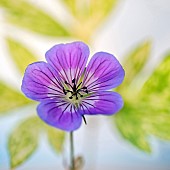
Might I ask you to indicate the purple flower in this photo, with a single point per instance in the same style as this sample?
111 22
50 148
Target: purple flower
67 89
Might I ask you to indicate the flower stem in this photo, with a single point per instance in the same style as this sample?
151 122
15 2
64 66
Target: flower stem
72 151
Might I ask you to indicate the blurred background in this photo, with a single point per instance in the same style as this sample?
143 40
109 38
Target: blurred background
137 33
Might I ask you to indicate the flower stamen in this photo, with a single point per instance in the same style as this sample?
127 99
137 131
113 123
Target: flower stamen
75 90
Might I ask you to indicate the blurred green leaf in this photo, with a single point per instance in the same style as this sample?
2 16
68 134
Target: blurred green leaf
89 15
137 121
101 9
11 99
25 15
86 10
157 89
135 61
23 141
71 4
149 114
56 138
20 55
156 92
129 122
158 123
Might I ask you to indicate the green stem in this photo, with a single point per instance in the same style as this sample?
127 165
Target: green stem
72 151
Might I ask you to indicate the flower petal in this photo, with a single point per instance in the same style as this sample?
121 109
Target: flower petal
68 59
41 82
105 102
59 114
103 72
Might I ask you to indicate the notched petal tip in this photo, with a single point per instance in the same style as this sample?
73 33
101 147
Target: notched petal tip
68 59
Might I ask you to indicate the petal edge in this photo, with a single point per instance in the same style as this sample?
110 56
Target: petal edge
59 115
103 72
68 59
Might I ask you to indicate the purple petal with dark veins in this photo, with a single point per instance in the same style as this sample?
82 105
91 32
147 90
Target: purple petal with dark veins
103 72
59 114
68 59
41 82
105 103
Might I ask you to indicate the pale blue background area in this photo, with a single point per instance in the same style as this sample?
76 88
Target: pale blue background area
99 143
101 148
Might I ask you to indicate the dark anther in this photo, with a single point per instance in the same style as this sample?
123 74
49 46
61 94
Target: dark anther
84 87
73 81
70 97
66 82
86 91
